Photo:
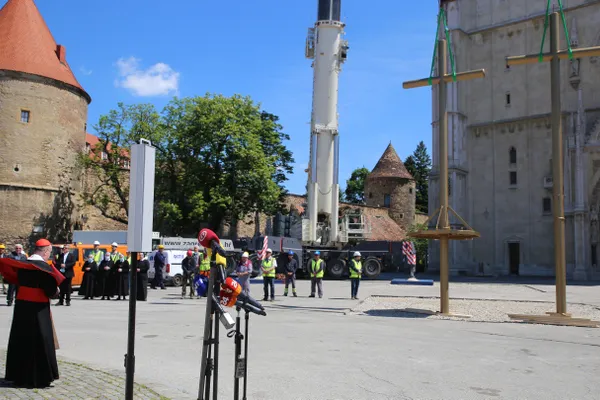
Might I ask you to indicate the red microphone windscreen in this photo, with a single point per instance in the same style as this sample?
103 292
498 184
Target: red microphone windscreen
233 285
227 299
206 236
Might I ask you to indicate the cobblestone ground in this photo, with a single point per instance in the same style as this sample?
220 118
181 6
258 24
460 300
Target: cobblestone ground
76 382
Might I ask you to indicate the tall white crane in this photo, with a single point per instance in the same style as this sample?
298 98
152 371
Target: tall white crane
326 47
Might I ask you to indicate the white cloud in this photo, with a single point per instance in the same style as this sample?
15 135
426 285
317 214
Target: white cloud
85 71
157 80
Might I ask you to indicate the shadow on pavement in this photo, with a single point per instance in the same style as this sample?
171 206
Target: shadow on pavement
302 308
519 280
395 314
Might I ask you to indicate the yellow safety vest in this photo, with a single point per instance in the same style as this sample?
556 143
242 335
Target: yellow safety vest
314 266
205 263
115 256
267 265
98 256
358 266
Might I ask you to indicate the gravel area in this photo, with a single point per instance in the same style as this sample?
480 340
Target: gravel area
478 310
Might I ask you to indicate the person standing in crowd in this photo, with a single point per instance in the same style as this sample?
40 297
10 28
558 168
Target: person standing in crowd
204 264
90 267
122 274
2 255
142 277
31 354
12 289
103 278
197 255
188 267
290 274
268 268
317 270
160 260
355 274
65 263
97 254
243 271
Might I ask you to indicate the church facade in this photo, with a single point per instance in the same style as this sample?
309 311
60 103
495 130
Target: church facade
500 144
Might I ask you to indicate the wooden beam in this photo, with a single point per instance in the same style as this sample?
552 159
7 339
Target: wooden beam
563 55
461 76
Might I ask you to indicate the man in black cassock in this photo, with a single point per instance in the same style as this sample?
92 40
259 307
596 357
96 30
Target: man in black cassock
31 355
142 279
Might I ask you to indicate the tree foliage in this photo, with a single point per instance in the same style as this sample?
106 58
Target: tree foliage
218 158
419 166
355 186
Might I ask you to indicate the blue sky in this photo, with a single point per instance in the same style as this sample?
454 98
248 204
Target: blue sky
256 48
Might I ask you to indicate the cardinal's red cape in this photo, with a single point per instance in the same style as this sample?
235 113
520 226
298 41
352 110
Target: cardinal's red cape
9 268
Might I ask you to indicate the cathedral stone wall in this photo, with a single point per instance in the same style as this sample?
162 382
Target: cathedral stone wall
38 158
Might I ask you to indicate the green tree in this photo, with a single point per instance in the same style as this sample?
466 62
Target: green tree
419 166
355 186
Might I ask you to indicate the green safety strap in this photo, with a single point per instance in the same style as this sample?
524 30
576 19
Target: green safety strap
442 17
564 21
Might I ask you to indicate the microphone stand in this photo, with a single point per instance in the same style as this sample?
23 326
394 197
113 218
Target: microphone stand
208 364
241 364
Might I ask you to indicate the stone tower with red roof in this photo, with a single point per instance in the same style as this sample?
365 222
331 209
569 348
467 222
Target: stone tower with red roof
43 114
390 185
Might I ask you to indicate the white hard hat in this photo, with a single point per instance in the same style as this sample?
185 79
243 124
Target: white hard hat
356 254
115 244
245 255
96 243
269 251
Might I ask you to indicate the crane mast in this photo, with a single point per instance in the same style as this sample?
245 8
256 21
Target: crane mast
326 47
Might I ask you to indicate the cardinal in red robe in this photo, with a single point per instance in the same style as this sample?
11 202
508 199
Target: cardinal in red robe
31 355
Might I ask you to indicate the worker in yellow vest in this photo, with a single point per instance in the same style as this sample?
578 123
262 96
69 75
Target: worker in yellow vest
316 270
97 254
268 267
204 264
355 274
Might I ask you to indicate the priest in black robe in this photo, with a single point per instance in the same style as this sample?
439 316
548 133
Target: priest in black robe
122 274
31 354
90 268
142 279
103 286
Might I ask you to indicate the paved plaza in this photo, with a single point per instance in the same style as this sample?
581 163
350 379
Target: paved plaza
331 348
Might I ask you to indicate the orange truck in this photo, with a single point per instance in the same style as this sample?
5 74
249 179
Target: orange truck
81 252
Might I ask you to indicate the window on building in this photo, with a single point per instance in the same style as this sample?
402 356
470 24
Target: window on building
547 205
507 66
25 116
104 156
410 190
126 164
512 155
370 195
387 200
513 177
508 99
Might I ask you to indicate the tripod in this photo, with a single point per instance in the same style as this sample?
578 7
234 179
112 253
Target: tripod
241 364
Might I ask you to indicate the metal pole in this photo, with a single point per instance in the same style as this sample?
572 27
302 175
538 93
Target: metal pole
130 357
247 318
238 353
443 177
557 171
208 319
216 356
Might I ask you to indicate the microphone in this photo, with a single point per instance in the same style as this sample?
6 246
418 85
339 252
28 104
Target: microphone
233 288
229 299
211 242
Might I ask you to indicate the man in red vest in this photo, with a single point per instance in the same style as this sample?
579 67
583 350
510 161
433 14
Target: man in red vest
31 355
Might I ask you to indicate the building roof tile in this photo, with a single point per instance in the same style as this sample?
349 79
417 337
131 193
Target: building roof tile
390 166
27 45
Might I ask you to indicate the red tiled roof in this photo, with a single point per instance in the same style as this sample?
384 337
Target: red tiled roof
390 166
27 45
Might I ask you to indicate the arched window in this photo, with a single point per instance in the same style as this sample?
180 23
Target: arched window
512 155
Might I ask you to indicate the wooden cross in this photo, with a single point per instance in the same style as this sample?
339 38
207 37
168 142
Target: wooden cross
554 56
446 232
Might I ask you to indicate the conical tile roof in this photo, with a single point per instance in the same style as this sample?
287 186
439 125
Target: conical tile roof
27 45
390 166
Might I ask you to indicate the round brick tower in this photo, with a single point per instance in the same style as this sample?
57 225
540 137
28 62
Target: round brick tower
43 114
390 185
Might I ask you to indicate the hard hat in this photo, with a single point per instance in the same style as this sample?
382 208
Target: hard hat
2 246
356 254
291 253
62 246
245 254
160 246
189 253
269 251
96 243
317 253
115 244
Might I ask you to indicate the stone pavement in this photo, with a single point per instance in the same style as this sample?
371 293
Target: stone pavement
77 381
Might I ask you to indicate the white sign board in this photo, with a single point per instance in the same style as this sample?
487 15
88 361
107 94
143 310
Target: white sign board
141 197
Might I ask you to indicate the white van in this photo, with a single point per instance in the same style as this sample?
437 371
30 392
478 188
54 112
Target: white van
173 274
